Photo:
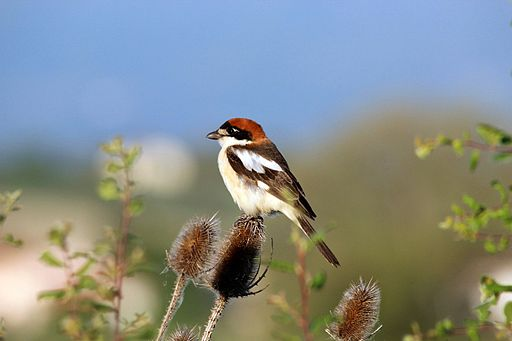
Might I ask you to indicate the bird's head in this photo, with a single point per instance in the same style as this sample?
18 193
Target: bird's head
238 131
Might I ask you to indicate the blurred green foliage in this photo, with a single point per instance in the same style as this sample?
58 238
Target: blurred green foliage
470 223
9 204
94 278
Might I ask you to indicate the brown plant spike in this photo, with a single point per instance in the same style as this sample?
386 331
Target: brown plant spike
183 334
239 259
357 313
192 251
237 268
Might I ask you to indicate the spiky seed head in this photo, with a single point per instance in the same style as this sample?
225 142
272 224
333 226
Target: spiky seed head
357 313
183 334
194 249
239 258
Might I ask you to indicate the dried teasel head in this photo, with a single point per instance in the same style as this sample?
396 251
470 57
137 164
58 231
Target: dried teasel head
357 313
183 334
238 265
194 249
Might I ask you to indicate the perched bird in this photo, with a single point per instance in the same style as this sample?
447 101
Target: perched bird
259 178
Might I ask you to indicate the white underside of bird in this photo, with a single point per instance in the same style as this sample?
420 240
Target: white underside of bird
252 199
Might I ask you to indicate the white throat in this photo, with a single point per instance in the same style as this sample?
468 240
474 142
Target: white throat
228 141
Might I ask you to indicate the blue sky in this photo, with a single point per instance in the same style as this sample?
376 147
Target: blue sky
77 72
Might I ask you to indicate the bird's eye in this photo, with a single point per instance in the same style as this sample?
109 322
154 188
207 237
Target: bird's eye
232 131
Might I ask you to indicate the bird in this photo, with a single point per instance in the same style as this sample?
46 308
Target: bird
259 179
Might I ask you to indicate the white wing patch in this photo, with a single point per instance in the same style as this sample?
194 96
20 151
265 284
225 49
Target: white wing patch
255 162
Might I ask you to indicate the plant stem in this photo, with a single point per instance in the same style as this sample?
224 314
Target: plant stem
304 292
70 283
460 331
120 261
487 147
174 304
218 308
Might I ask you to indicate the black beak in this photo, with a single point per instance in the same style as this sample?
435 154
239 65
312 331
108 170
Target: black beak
214 135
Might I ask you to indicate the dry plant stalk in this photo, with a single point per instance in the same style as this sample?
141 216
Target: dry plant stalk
191 254
120 255
305 291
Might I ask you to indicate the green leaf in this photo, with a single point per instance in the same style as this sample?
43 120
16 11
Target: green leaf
444 328
59 234
113 147
136 261
442 140
282 266
446 223
56 294
483 311
474 159
11 240
458 147
490 246
85 267
457 210
503 157
87 282
471 203
500 188
492 289
106 293
508 311
317 237
472 328
113 167
104 308
503 244
136 206
492 135
50 259
131 156
318 323
318 281
423 151
108 189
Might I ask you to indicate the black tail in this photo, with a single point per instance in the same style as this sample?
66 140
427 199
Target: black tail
308 229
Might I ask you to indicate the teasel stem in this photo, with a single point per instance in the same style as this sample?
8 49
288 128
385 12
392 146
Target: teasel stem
217 310
174 304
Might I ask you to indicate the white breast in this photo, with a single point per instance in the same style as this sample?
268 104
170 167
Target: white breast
250 198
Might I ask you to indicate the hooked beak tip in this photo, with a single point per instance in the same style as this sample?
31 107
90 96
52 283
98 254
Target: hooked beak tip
214 135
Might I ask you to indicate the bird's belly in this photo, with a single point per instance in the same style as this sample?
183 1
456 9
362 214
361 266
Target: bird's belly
250 198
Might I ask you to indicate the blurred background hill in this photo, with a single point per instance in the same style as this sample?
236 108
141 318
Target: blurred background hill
342 88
